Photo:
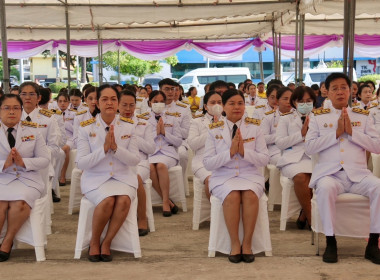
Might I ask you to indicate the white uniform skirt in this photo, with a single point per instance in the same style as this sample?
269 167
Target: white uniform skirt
237 184
111 187
292 169
143 171
202 173
17 190
273 159
161 158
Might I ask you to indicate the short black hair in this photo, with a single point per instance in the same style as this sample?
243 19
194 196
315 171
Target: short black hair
275 82
75 92
34 85
371 82
88 90
333 76
64 94
207 97
299 93
86 86
281 91
154 93
127 93
8 96
167 81
272 88
103 87
260 83
218 84
231 85
366 85
314 87
247 80
45 96
231 93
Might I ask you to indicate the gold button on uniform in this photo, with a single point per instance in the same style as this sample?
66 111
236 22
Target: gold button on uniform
15 169
341 150
236 167
111 173
341 139
111 163
341 162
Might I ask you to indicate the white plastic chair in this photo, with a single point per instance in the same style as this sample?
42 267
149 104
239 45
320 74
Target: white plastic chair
289 204
149 209
352 217
201 205
220 240
274 195
33 231
126 240
72 164
184 174
75 190
376 164
176 190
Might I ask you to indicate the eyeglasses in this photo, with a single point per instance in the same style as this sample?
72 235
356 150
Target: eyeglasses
9 108
30 94
339 89
168 89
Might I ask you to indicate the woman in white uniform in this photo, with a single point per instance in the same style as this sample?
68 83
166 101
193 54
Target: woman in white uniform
290 139
93 110
107 154
23 153
270 121
235 152
270 105
365 96
212 112
145 141
167 139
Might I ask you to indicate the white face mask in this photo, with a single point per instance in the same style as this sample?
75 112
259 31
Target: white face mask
305 108
158 108
215 110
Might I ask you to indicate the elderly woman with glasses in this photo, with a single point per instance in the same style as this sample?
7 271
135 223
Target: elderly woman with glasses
23 153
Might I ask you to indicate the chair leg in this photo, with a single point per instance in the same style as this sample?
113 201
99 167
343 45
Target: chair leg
40 253
312 237
317 237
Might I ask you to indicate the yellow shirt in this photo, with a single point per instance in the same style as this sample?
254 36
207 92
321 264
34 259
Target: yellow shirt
262 95
197 100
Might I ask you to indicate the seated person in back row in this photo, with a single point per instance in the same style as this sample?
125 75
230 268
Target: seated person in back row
341 136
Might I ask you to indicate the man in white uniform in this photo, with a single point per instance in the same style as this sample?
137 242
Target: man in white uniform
341 136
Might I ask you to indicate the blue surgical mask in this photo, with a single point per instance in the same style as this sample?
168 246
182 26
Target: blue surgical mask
305 108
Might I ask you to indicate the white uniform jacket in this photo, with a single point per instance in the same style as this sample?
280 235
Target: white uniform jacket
169 143
347 152
62 138
68 117
260 111
98 167
217 153
79 117
183 114
34 152
47 126
289 139
269 126
145 134
197 139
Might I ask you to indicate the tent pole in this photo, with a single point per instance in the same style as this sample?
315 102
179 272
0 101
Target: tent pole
351 45
4 47
57 77
261 66
77 62
100 59
274 48
346 28
296 47
279 56
118 67
301 50
68 58
21 70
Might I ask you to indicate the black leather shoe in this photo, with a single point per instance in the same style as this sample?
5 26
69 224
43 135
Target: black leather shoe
55 197
166 213
106 258
235 258
331 253
300 224
372 253
93 258
143 232
4 256
174 209
248 258
62 184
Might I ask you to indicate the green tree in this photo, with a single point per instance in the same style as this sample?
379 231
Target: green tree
130 65
13 70
335 64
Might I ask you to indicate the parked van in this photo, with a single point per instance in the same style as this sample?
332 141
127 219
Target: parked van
202 76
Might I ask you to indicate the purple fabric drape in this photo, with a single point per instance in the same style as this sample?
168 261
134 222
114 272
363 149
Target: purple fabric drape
310 42
153 47
223 47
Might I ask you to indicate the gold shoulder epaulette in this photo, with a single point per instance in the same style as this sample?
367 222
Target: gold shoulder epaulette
73 110
215 125
81 113
141 123
30 124
144 114
355 104
139 99
360 111
128 120
374 104
87 122
270 112
46 113
288 113
321 111
259 106
57 112
198 116
84 105
181 105
252 121
176 114
141 116
186 102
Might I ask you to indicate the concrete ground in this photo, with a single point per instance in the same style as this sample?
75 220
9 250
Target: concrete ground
175 251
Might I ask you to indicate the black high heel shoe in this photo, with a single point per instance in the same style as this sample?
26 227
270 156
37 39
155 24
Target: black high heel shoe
4 256
93 258
301 224
174 210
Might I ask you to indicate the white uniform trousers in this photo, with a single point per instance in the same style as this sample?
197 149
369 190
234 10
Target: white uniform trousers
329 187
